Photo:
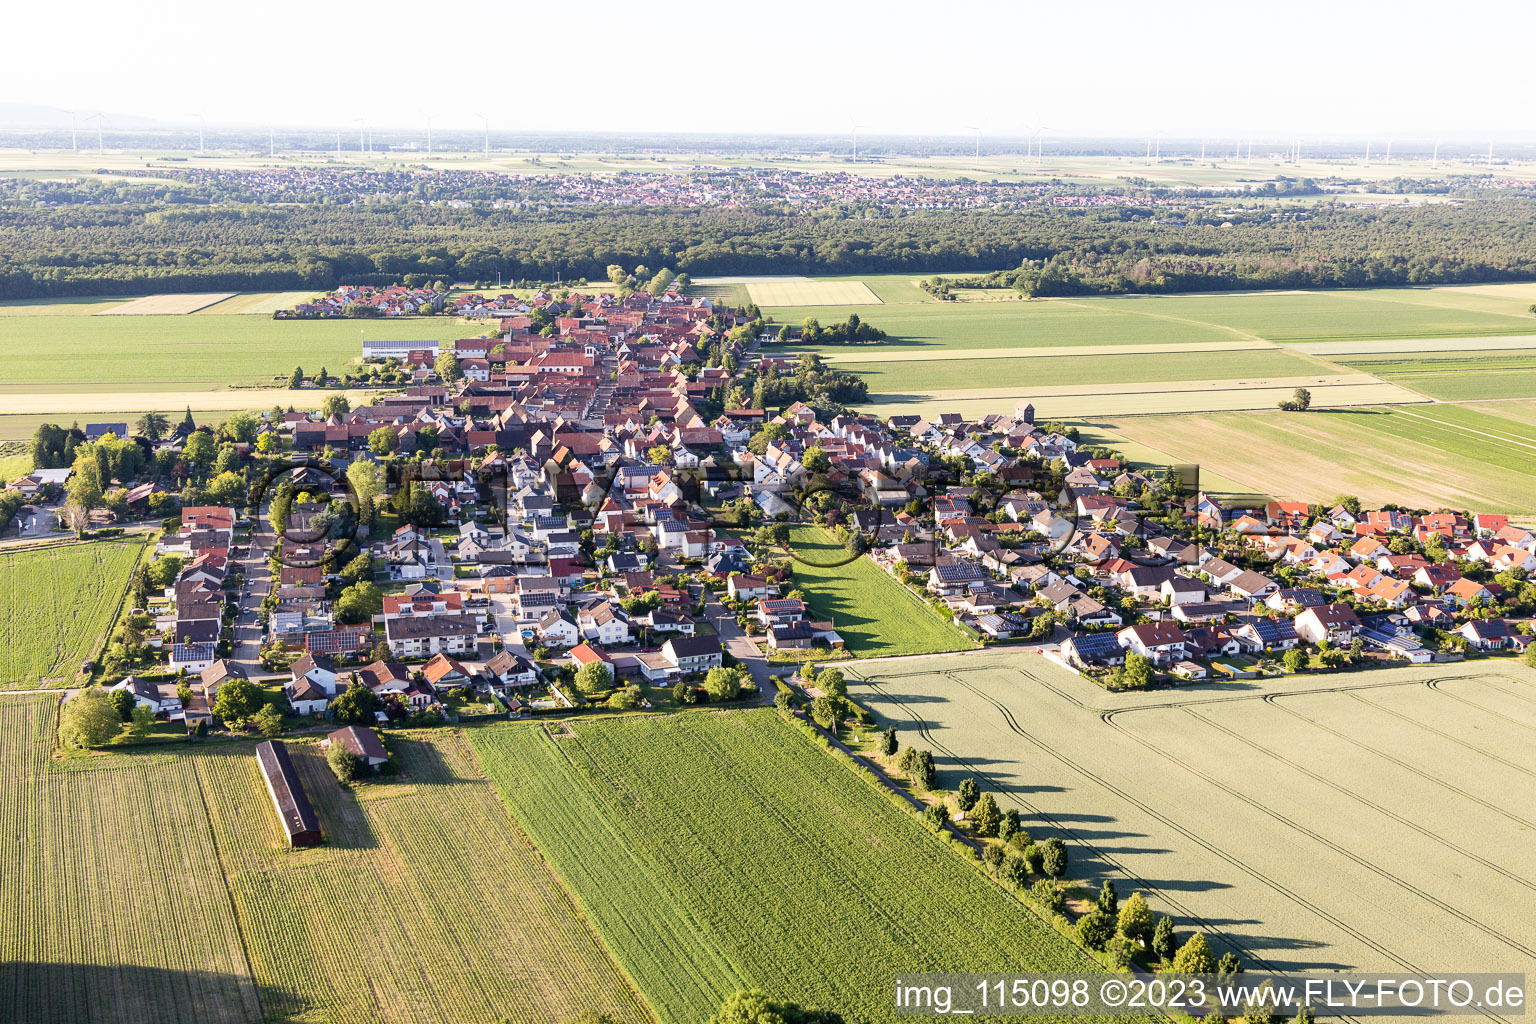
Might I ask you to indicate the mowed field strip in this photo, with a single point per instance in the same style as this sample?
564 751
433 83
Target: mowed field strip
168 305
257 302
811 293
1424 456
1364 821
724 850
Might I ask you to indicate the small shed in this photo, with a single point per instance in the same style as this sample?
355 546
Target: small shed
293 808
360 743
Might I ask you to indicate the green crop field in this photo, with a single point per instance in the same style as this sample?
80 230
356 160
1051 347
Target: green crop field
57 606
1459 375
1429 456
1359 821
82 306
1040 324
927 376
64 352
1163 319
151 887
723 850
874 614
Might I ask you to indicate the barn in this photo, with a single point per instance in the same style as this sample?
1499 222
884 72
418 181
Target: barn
293 809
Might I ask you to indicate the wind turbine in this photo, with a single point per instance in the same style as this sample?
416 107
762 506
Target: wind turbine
429 135
856 127
1490 154
338 143
1388 160
487 125
362 137
100 148
1040 145
73 142
202 123
271 143
1436 159
1367 151
973 128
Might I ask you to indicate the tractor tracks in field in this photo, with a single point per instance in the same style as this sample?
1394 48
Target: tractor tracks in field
1042 815
1362 800
1108 716
1302 830
1434 684
1399 762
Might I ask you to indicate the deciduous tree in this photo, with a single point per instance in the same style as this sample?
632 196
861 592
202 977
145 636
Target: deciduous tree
88 719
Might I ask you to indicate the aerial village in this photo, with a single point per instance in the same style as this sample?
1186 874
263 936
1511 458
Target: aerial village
594 505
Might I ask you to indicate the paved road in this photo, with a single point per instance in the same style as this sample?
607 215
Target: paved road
258 582
735 640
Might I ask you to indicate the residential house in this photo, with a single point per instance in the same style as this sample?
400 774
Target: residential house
1332 622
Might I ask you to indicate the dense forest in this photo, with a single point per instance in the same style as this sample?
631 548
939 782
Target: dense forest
116 249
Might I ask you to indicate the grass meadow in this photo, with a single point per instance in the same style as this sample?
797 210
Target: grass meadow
57 607
722 850
1344 821
874 614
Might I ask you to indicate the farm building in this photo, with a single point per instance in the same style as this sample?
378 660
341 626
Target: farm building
293 809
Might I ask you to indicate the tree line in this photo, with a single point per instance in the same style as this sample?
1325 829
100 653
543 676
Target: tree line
78 250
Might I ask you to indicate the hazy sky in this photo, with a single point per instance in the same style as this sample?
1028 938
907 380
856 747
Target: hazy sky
1339 68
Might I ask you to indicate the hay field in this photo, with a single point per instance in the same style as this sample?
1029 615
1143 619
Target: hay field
142 886
1148 398
920 378
767 291
1462 346
1425 456
1366 821
167 305
425 904
257 302
112 902
57 607
724 850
